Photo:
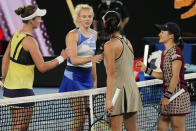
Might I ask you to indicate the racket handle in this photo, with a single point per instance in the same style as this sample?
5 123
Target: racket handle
177 94
117 92
146 49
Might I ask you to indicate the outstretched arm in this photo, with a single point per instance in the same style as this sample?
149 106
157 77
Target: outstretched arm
31 45
143 68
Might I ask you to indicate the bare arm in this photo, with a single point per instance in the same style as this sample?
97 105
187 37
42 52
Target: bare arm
176 66
5 64
71 43
31 45
94 71
142 67
5 61
109 54
94 75
158 75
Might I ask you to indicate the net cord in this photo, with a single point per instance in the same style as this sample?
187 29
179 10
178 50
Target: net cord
64 95
54 96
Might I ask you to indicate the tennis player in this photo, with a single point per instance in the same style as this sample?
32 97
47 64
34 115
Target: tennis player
119 59
172 66
19 60
80 72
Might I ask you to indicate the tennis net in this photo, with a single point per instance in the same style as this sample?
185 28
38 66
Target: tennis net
78 110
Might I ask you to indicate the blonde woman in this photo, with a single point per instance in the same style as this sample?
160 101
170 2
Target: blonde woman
80 72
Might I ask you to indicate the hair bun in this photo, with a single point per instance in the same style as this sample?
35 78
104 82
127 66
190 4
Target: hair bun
20 10
112 21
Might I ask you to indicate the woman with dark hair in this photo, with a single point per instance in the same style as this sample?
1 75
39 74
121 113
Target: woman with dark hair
119 57
19 60
172 66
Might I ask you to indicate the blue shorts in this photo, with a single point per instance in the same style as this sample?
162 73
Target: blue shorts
76 78
12 93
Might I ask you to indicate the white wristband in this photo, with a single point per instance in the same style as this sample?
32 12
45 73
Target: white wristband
60 59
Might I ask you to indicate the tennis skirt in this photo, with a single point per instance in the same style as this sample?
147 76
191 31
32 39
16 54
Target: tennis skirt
179 106
13 93
76 78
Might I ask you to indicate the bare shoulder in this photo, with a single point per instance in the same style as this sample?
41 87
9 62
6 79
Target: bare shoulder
108 44
29 41
113 42
74 31
72 34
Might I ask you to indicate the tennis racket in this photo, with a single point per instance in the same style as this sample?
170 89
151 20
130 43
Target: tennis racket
101 124
156 108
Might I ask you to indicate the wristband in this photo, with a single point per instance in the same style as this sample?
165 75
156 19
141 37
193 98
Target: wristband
148 71
167 94
60 59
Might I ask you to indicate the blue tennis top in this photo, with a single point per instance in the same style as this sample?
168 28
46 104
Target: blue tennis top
86 47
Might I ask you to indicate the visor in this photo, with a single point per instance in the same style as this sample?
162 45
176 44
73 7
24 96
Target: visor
38 12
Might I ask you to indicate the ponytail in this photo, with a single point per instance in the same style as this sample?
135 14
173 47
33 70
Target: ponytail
179 42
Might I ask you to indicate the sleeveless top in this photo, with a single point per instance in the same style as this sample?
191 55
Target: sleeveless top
86 46
129 99
20 73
